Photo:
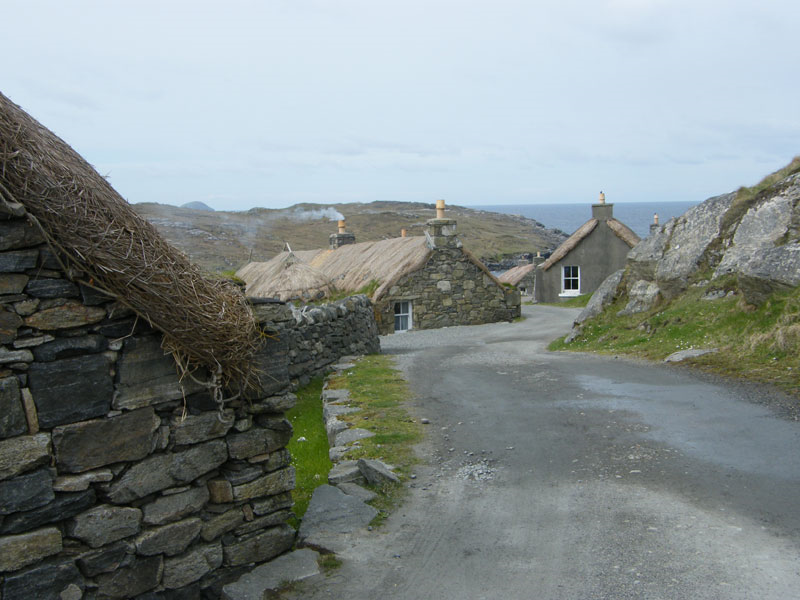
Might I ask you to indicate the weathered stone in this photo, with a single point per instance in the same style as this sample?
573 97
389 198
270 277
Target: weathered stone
221 524
169 539
31 342
68 315
274 404
52 288
168 470
14 356
220 491
91 444
174 507
71 592
770 270
334 427
12 283
27 307
270 520
260 546
642 296
64 506
331 514
141 575
258 440
376 472
343 472
23 453
352 435
337 410
78 483
19 233
69 347
105 524
147 376
256 584
199 428
353 489
18 261
17 551
51 579
9 323
274 461
183 570
106 559
91 296
268 485
12 414
335 396
692 353
242 474
29 406
26 492
85 381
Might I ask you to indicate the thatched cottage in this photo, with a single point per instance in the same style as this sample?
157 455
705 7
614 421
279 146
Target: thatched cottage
414 282
579 265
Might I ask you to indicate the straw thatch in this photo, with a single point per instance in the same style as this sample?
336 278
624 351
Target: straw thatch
105 244
348 268
516 274
623 232
288 279
570 243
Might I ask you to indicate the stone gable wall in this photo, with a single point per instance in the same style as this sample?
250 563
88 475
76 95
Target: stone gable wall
449 290
116 478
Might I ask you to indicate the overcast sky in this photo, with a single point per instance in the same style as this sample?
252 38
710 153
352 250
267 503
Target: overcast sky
270 103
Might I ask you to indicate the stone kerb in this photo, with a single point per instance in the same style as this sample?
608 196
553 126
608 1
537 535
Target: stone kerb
116 478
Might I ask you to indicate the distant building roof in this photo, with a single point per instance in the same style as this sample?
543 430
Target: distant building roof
517 274
621 230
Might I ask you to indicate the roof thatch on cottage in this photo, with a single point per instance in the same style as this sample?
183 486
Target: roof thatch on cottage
516 274
621 230
289 278
105 244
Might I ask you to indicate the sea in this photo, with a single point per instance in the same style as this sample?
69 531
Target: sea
568 217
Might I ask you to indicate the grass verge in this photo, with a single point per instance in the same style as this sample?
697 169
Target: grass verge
758 343
576 302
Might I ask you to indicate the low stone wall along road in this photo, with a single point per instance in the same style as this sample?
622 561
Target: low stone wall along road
561 476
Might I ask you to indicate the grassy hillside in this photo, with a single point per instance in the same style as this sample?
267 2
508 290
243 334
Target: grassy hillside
757 343
220 241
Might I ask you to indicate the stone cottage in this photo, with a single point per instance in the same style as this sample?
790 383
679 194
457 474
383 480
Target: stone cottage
414 282
129 463
579 265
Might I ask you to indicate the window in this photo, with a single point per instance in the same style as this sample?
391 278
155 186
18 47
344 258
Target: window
571 281
402 316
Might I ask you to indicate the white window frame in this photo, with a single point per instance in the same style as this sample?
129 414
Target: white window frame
403 314
566 293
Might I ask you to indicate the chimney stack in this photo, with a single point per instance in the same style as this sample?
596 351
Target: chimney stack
342 238
602 211
654 227
441 232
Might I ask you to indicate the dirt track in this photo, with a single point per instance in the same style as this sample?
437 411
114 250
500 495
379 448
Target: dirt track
575 476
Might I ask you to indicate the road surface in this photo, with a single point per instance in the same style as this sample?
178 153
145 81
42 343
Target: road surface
575 476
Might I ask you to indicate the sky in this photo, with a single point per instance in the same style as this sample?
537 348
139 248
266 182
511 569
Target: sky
270 103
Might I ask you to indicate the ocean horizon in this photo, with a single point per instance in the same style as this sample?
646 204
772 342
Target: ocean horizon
568 217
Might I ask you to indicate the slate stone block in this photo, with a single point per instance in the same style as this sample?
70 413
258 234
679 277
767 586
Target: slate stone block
23 453
51 288
147 376
78 483
260 546
17 551
193 429
188 568
168 470
169 539
69 347
141 575
271 504
106 559
18 261
47 580
26 492
12 414
19 233
91 444
217 526
93 297
104 524
268 485
9 323
175 506
66 316
64 506
12 283
71 390
258 440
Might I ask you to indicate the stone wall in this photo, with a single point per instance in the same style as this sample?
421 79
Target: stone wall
449 290
119 480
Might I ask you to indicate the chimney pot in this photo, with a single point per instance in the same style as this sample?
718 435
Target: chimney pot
602 198
403 233
342 227
655 219
440 209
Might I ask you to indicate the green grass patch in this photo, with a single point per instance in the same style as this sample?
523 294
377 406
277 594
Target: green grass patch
380 391
759 343
309 457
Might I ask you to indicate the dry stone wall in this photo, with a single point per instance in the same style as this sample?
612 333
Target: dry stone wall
117 479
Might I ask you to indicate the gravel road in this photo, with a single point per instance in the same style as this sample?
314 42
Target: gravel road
574 476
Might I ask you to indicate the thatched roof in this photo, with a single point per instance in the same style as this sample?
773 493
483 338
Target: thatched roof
348 268
289 278
106 245
621 230
517 274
